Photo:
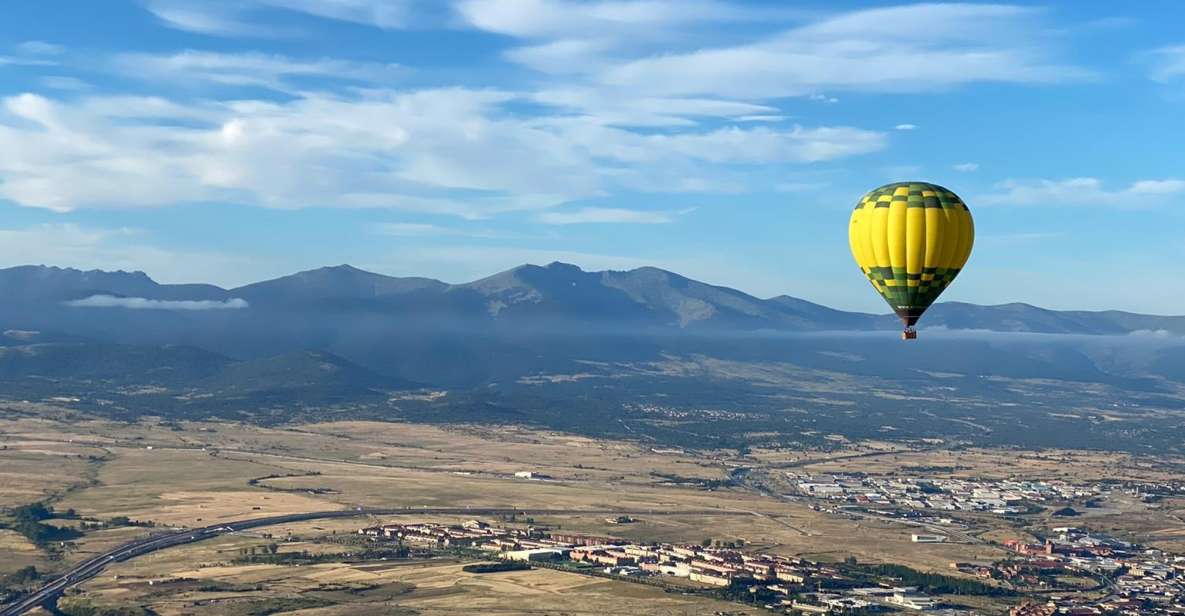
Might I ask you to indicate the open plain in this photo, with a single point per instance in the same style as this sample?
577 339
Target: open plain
123 480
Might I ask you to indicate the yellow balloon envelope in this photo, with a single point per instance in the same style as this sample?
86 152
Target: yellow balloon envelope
911 239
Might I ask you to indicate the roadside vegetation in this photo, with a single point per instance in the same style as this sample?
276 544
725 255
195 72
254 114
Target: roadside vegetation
29 521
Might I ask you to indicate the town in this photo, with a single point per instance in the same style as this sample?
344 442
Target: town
1004 497
1124 578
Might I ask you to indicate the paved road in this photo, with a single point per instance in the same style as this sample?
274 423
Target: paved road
90 568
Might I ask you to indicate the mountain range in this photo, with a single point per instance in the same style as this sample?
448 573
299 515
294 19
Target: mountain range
528 295
527 320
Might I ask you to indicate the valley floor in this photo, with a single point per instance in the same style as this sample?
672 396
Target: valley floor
118 478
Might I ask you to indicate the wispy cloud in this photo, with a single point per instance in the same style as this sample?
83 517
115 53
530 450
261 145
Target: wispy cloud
197 68
461 150
905 127
241 18
386 14
32 53
1021 238
1168 63
40 48
795 187
966 167
214 17
613 109
1082 191
769 145
560 18
62 82
414 229
142 303
949 45
603 215
410 229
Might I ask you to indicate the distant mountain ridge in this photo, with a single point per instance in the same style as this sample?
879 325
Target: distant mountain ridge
528 295
336 333
586 352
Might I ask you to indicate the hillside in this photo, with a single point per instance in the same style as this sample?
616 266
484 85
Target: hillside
525 321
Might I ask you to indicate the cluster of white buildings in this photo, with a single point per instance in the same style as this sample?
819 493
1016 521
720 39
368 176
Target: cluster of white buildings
672 412
872 598
1140 581
792 582
999 496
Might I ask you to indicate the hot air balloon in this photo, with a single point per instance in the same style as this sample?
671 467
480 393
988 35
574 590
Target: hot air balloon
911 239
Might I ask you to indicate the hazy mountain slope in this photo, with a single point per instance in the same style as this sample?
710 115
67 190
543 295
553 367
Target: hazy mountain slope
536 320
525 296
342 282
816 314
296 371
41 283
119 364
1025 318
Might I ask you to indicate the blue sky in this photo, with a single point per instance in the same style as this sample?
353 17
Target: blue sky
235 140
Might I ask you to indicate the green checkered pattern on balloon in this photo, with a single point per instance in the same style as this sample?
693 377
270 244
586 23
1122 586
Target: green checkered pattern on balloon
901 294
914 196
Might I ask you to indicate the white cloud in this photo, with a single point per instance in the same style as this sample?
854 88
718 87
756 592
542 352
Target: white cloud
617 58
32 53
946 45
213 17
1168 63
411 229
905 127
794 187
1157 187
249 69
1154 333
564 57
1082 191
386 14
414 229
762 118
966 167
25 61
603 215
540 18
611 108
39 48
142 303
1020 238
765 145
61 82
453 151
468 207
231 18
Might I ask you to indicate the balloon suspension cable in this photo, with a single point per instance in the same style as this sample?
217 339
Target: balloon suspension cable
909 333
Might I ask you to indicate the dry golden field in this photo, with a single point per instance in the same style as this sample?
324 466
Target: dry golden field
196 474
201 579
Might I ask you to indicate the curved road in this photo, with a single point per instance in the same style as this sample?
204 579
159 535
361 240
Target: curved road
90 568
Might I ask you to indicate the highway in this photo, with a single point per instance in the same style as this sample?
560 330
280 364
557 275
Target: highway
93 566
